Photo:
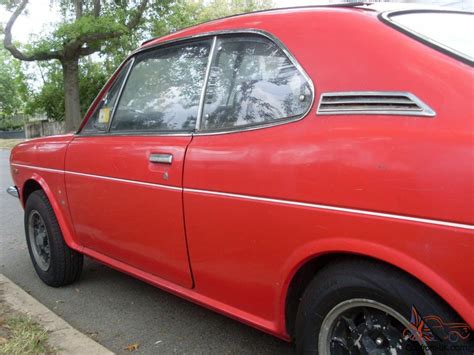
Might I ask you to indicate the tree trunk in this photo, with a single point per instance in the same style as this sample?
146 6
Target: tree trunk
72 105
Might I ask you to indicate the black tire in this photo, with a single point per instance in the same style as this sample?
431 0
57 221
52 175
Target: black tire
363 279
65 264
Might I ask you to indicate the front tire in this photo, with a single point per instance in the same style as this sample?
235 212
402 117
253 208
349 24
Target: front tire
55 263
359 306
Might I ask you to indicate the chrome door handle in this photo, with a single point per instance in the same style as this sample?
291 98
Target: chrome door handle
161 158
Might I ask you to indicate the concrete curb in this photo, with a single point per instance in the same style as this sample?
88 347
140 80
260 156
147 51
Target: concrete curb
62 336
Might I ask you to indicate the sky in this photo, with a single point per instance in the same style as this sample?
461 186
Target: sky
39 14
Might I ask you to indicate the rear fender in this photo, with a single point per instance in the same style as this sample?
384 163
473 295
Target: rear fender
432 274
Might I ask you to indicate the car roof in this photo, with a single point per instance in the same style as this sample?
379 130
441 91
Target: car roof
365 7
391 6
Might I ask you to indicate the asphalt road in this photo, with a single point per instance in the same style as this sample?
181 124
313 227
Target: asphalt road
118 310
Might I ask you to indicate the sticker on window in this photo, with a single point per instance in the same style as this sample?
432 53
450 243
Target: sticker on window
104 115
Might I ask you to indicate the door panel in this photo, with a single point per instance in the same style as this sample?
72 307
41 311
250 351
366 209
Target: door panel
125 191
129 208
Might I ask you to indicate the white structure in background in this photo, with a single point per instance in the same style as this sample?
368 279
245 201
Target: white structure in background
464 5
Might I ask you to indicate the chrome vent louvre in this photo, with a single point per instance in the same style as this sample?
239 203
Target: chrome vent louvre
373 103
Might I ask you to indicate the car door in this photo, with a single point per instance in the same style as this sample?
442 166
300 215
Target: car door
124 169
248 148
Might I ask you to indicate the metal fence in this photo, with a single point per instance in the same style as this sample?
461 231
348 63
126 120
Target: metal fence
12 134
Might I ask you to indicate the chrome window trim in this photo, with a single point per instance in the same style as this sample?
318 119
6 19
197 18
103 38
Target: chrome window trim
251 31
425 111
138 134
385 17
358 4
253 127
294 62
204 84
216 34
125 79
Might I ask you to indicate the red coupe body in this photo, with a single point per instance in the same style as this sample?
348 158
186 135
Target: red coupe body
239 216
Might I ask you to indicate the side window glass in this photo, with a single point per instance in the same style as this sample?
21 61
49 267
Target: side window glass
99 121
252 82
163 89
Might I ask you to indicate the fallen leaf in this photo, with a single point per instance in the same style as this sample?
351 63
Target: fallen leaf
132 347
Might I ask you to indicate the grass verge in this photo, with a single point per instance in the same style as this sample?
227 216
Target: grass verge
21 335
9 143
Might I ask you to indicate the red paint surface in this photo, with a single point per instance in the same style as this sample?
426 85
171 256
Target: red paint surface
244 253
140 225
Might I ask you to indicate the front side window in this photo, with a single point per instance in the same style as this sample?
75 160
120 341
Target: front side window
252 82
163 89
99 120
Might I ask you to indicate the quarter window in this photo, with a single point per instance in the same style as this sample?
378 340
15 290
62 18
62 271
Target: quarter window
252 82
99 120
163 89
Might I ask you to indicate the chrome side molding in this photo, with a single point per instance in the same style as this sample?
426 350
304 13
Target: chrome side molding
13 190
373 103
263 199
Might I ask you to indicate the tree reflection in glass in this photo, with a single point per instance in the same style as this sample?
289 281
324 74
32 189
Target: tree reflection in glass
252 81
93 125
163 89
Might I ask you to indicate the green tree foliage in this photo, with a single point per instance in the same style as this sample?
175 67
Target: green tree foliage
14 90
111 30
50 98
184 13
86 25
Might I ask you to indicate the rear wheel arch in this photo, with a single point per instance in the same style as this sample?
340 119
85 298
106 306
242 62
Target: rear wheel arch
306 272
362 299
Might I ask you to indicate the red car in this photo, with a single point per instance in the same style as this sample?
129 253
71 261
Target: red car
306 171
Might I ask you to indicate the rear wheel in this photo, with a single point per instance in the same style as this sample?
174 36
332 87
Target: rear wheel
361 325
55 263
360 306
